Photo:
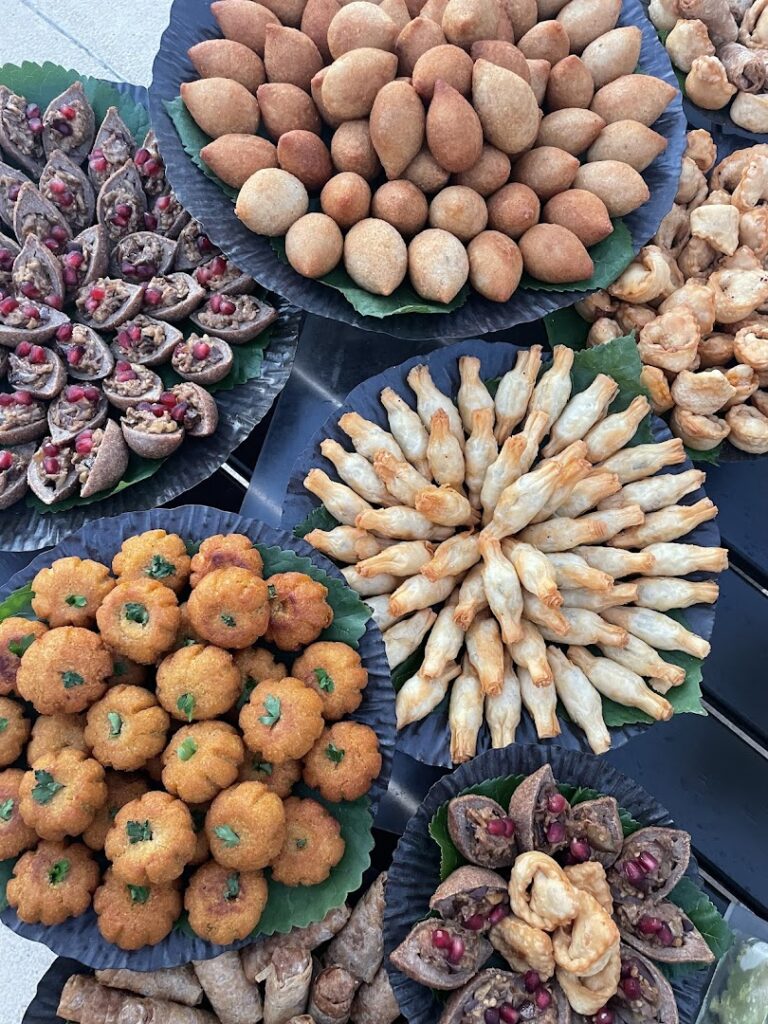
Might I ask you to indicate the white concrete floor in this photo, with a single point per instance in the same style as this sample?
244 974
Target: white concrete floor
114 39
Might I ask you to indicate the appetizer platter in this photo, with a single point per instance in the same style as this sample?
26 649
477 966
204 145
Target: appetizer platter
695 299
525 546
268 75
126 337
570 875
198 725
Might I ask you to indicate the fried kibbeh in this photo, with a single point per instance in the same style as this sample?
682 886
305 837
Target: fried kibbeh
154 555
15 835
201 760
279 778
185 634
230 607
126 728
224 906
61 793
245 826
66 670
298 610
282 719
122 787
313 844
197 682
139 619
335 672
151 840
16 636
132 916
52 733
68 592
223 552
53 882
255 664
344 762
14 730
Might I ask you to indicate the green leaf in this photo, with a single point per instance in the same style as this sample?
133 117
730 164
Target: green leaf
712 455
19 602
59 872
135 612
193 139
119 668
245 694
228 836
324 681
566 327
261 766
247 361
334 754
159 568
138 831
45 788
403 672
272 708
299 843
115 723
186 704
3 724
192 547
76 600
271 592
138 893
233 887
139 469
71 680
6 809
6 873
618 359
318 519
187 749
228 620
610 257
707 918
18 647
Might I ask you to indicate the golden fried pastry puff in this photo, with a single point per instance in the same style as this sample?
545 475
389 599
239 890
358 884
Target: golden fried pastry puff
16 636
344 762
298 610
280 778
65 671
255 664
139 619
201 760
245 826
132 916
313 844
15 835
121 788
282 719
68 592
61 794
52 733
229 608
14 730
335 671
223 552
224 905
53 882
154 555
126 728
197 682
151 840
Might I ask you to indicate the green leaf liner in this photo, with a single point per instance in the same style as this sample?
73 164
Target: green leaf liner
18 603
138 469
318 519
686 894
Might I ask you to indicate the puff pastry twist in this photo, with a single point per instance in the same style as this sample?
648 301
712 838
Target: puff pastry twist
540 893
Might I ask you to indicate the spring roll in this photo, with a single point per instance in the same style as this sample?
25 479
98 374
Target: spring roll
179 984
333 990
235 999
84 1001
375 1003
257 958
359 947
286 991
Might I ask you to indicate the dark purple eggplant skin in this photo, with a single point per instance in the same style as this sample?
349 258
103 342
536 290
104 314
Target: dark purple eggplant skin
599 823
151 446
35 477
239 335
462 833
455 1006
59 163
466 880
34 250
179 310
30 200
122 403
53 141
673 843
16 490
523 806
6 204
8 245
204 404
210 374
31 164
110 464
407 959
48 388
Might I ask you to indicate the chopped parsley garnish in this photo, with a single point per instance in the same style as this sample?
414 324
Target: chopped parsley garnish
138 893
71 680
136 612
334 754
119 668
45 787
58 872
76 600
6 809
115 723
160 568
271 591
227 835
190 642
262 766
192 546
324 681
300 843
112 812
272 708
22 644
233 887
228 620
187 749
186 704
245 693
3 724
138 831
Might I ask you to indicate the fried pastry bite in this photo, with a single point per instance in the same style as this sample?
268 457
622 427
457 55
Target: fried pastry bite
445 454
403 481
670 341
465 713
700 147
139 619
258 957
553 389
61 794
67 673
482 831
540 893
587 994
750 347
14 730
407 429
474 897
641 658
502 711
664 594
580 699
282 719
68 592
661 930
620 684
452 557
660 631
541 704
510 993
155 555
151 840
245 826
222 552
523 947
419 695
298 610
702 393
198 682
288 983
126 728
344 761
656 384
441 954
126 672
255 664
358 947
229 607
429 399
15 835
368 437
345 543
331 995
539 812
586 944
687 41
514 392
132 916
83 994
53 882
406 636
224 906
738 293
341 501
52 733
312 847
602 331
356 472
718 225
666 525
435 509
278 778
16 636
201 760
648 278
748 429
563 534
121 788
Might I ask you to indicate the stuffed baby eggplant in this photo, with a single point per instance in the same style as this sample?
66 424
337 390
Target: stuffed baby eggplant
441 954
78 407
13 473
151 166
145 340
651 863
22 418
69 124
236 318
495 995
166 215
9 250
194 246
107 303
112 148
121 203
662 931
51 473
644 995
37 274
539 812
64 185
36 369
142 255
202 360
196 407
34 215
21 128
25 320
222 276
151 431
131 383
11 181
594 831
85 258
172 297
482 831
84 351
476 898
100 458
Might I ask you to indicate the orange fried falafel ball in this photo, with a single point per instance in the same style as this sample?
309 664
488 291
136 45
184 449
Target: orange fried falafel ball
224 905
122 787
335 671
132 916
154 555
201 760
139 620
53 882
15 835
197 682
61 794
16 636
126 727
313 844
151 840
14 730
245 826
255 664
282 719
229 608
298 610
65 671
68 592
52 733
224 552
126 672
344 762
280 778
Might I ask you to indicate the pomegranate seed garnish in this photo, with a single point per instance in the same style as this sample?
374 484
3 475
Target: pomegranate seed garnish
543 999
8 306
32 110
152 167
37 355
457 950
31 312
75 393
216 307
440 938
142 155
665 936
145 271
150 222
59 233
57 186
159 410
98 294
178 412
153 296
201 350
203 275
647 861
557 803
74 259
68 111
70 277
648 925
51 466
218 266
50 449
631 988
475 923
168 398
23 349
6 460
634 873
227 308
35 125
75 354
28 290
134 332
122 365
6 399
123 210
83 445
50 243
508 1013
498 913
531 980
23 398
91 305
579 850
162 202
556 832
604 1016
92 394
204 244
54 301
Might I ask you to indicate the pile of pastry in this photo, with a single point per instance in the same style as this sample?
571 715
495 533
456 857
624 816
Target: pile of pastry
329 972
581 915
522 530
723 49
470 139
101 265
697 298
